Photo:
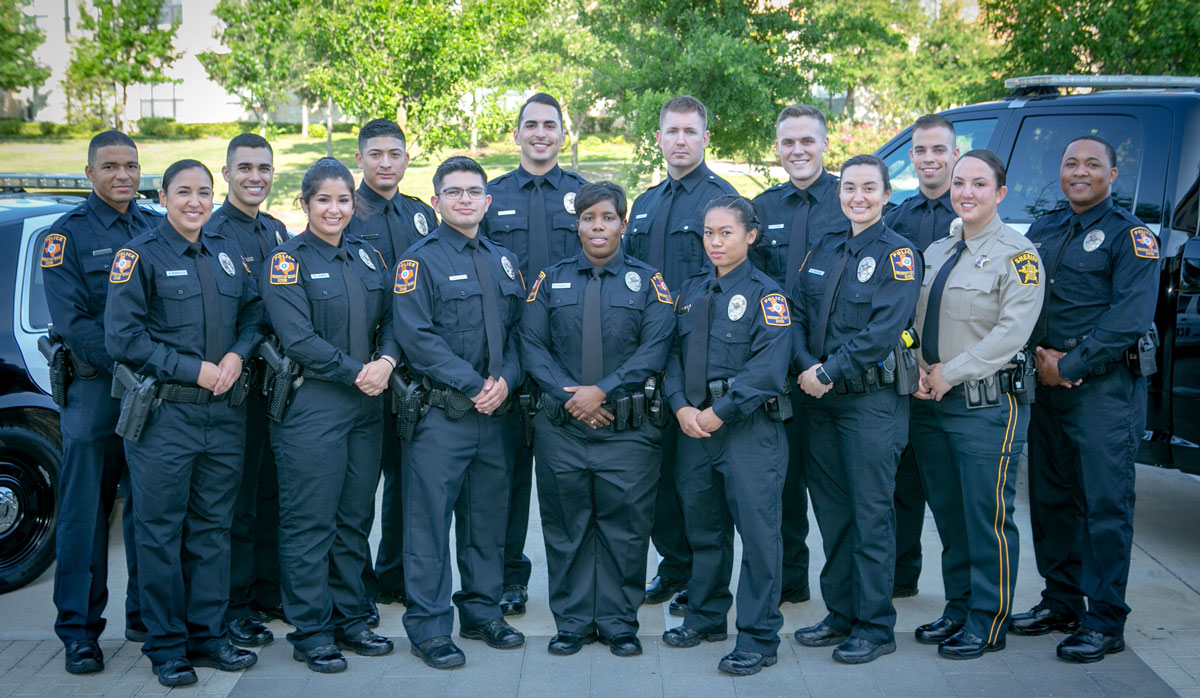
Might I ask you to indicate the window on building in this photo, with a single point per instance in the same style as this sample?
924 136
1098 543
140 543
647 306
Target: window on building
162 101
170 12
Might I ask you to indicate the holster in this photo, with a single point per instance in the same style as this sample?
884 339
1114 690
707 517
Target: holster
556 414
779 408
1024 378
452 402
281 379
408 403
139 397
1141 357
908 371
61 369
622 412
656 409
241 388
527 402
982 393
637 415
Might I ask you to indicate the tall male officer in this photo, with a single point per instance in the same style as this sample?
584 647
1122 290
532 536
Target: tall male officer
76 257
794 216
457 304
1102 265
532 214
666 231
923 218
254 536
391 222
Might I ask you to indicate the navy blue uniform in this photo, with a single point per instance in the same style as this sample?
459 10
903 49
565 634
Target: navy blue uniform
855 438
922 220
596 486
326 304
735 477
1102 267
76 256
186 469
391 226
461 467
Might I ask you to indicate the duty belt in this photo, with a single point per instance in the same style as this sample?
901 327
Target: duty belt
628 411
192 394
777 408
987 391
1097 370
457 404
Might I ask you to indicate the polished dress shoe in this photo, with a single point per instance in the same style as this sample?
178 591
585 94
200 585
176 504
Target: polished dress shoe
683 636
512 599
904 591
1085 646
84 657
856 650
392 596
266 614
745 662
248 632
965 645
323 659
623 645
820 635
1040 620
440 653
136 633
372 614
660 589
364 644
498 634
564 644
175 672
938 631
226 658
795 596
679 604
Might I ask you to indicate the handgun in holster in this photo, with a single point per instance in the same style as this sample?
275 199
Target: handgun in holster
139 397
908 372
1141 357
779 408
656 410
527 404
282 379
246 382
1024 378
61 370
408 399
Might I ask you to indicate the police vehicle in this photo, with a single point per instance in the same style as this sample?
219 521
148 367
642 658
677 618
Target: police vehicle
1154 124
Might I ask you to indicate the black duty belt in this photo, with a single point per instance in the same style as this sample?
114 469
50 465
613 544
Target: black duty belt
192 394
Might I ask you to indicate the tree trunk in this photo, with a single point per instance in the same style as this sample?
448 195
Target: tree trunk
304 118
573 130
329 128
849 109
119 107
263 120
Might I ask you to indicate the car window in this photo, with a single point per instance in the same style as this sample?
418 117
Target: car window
975 133
37 313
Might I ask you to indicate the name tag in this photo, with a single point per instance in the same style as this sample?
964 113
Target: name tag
459 277
818 272
322 275
99 253
640 216
249 259
177 272
509 212
566 285
776 226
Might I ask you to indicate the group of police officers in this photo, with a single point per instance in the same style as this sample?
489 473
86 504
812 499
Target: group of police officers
248 390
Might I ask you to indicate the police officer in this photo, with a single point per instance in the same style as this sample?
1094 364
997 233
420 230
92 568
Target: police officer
183 310
923 218
254 535
666 231
390 221
532 214
596 326
456 306
729 359
854 297
76 256
981 294
794 216
326 295
1102 265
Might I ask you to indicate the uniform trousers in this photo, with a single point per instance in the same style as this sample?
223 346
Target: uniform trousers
909 501
670 539
596 493
1082 445
387 575
517 566
795 502
254 536
735 478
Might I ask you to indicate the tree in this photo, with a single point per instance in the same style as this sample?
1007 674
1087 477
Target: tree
19 38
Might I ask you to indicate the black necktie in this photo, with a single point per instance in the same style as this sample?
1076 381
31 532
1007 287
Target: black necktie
933 309
658 232
798 238
816 340
262 235
592 358
695 367
356 308
539 242
1074 225
925 232
491 309
126 221
391 219
211 302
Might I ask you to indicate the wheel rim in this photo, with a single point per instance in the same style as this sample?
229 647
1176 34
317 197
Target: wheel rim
26 509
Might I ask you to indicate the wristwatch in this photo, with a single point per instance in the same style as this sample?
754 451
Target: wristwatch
822 376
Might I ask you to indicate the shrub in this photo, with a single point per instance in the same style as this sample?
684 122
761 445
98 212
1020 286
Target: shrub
316 131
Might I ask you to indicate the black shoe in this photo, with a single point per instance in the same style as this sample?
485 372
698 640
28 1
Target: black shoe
856 650
623 645
392 596
679 604
1085 646
1040 620
820 635
364 644
372 614
226 658
745 662
795 596
660 589
175 672
904 591
248 632
564 644
266 614
84 657
512 600
683 636
938 631
136 633
440 653
324 659
498 634
965 645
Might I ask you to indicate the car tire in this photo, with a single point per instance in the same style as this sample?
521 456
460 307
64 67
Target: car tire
29 463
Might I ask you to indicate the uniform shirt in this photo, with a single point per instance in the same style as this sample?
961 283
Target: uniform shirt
685 228
304 285
438 310
906 218
637 324
748 341
390 226
155 319
256 236
989 304
507 219
776 210
874 304
77 254
1102 266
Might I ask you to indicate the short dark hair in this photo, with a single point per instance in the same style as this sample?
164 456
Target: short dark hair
107 138
321 171
591 194
540 98
181 165
929 121
988 158
379 128
685 104
797 111
1108 148
741 207
458 163
246 140
872 161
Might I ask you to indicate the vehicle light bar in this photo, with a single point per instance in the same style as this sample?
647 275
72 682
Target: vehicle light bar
1103 81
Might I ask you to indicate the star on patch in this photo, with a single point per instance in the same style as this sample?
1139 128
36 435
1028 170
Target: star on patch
1026 266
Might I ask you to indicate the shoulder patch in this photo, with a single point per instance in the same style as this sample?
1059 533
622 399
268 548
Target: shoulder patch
406 276
284 270
1026 266
775 310
1145 245
660 288
122 266
902 264
537 283
52 250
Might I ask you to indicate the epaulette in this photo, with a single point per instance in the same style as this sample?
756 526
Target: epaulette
578 177
1122 213
502 177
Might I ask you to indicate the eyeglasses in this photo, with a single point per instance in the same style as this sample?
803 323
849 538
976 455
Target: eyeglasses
475 193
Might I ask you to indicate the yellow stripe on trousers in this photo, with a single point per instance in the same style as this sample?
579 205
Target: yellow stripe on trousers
998 522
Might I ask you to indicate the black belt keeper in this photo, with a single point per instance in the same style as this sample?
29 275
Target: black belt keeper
188 394
716 390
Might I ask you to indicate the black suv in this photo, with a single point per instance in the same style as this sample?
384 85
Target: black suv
1154 124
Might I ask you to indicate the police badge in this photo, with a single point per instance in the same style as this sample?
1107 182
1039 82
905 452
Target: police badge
421 223
226 264
1093 240
866 269
508 267
737 307
569 202
633 281
366 259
